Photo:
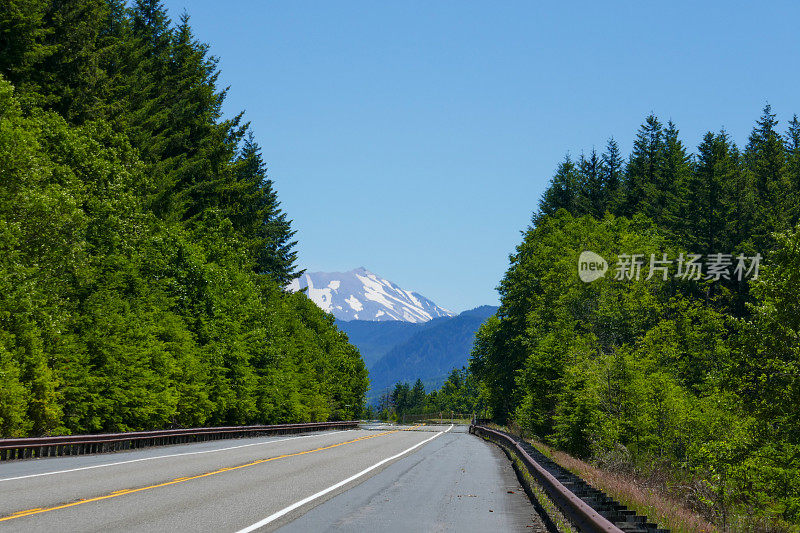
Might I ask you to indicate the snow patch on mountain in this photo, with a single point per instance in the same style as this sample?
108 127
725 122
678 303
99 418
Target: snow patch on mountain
354 303
362 295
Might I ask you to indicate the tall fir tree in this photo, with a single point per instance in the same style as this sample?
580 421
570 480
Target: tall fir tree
707 207
643 173
793 170
741 196
201 143
418 394
75 77
562 192
142 86
764 158
612 172
26 41
592 196
676 171
259 216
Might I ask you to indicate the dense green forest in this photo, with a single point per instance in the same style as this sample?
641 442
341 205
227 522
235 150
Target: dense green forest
460 393
696 377
143 250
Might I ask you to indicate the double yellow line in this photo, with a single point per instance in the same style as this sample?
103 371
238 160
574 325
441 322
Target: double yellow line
122 492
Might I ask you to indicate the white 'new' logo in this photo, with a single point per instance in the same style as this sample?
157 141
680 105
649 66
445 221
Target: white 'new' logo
591 266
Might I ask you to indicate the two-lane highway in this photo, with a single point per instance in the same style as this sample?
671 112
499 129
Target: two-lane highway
254 484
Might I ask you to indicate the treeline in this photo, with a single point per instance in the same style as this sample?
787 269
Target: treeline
459 393
143 249
699 378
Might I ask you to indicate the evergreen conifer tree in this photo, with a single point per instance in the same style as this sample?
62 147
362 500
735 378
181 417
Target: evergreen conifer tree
764 158
643 173
793 170
258 216
612 171
707 209
592 197
562 192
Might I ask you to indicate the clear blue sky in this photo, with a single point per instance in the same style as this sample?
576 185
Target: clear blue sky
415 138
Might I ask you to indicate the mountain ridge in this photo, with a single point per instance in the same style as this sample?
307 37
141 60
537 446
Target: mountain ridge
402 351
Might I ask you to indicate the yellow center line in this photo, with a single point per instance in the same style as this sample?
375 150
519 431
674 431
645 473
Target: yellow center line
122 492
28 511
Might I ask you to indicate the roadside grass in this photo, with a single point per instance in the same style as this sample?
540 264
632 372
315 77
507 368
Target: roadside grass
650 496
561 523
655 503
647 499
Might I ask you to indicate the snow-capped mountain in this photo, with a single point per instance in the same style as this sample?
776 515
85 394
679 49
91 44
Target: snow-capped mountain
361 295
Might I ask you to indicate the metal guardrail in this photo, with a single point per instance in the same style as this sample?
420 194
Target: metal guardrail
110 442
579 512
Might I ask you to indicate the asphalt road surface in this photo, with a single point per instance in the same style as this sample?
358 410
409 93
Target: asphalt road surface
429 478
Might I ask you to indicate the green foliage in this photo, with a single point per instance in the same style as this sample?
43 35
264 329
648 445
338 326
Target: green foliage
697 378
460 393
764 371
143 251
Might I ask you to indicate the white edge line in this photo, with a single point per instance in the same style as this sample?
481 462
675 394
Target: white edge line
168 456
286 510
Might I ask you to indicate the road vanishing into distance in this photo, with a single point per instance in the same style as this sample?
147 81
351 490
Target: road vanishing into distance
377 478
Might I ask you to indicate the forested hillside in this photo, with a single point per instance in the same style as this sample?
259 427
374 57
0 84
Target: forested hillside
375 339
695 378
143 249
430 354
